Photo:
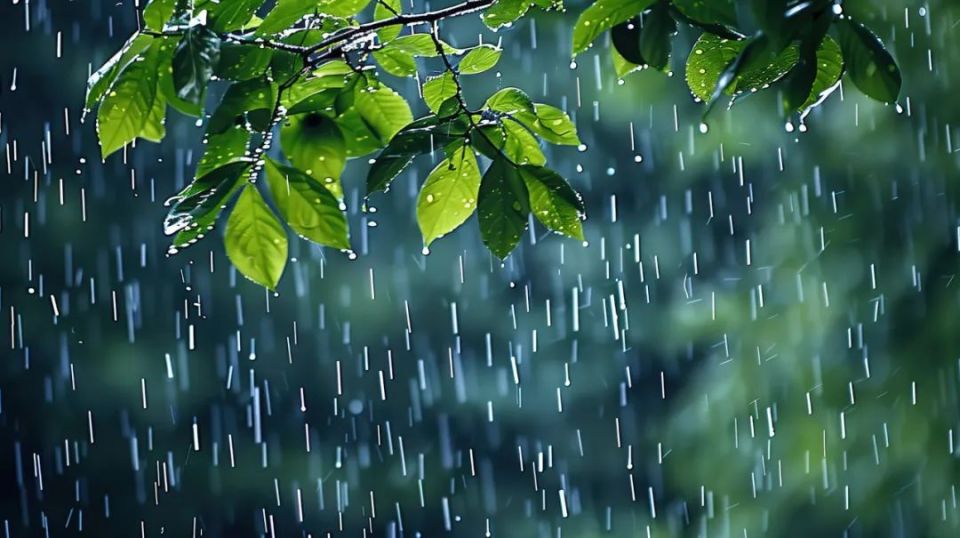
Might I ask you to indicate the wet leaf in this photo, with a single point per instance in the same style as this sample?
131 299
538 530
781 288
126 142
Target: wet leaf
314 144
449 195
601 16
128 105
308 207
479 59
553 201
502 208
870 66
255 240
193 63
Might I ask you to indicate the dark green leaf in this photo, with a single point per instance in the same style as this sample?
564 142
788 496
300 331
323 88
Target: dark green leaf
719 12
657 36
223 149
242 62
193 63
626 41
502 208
307 207
249 101
196 207
870 66
231 15
420 137
255 240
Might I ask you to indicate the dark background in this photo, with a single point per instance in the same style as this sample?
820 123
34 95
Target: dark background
686 383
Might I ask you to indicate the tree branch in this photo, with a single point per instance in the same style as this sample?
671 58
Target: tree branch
464 8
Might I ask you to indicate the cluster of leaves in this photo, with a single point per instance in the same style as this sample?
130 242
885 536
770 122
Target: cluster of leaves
799 47
307 72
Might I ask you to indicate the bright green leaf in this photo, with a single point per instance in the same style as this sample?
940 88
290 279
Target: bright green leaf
510 101
449 195
307 207
479 59
286 13
384 110
438 89
601 16
504 13
387 9
712 56
196 207
101 80
553 201
255 240
128 105
313 143
157 13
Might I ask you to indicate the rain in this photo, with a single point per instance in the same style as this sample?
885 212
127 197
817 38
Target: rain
758 335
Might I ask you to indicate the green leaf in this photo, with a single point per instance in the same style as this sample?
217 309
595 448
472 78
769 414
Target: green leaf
601 16
255 240
829 70
553 201
241 62
621 65
359 136
657 35
396 62
511 139
101 80
387 9
625 38
193 63
479 59
551 124
286 13
323 79
720 65
449 196
421 136
510 101
502 208
870 66
421 45
249 101
232 15
384 110
314 144
720 12
168 47
154 129
438 89
128 106
196 207
222 149
504 13
157 13
307 207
